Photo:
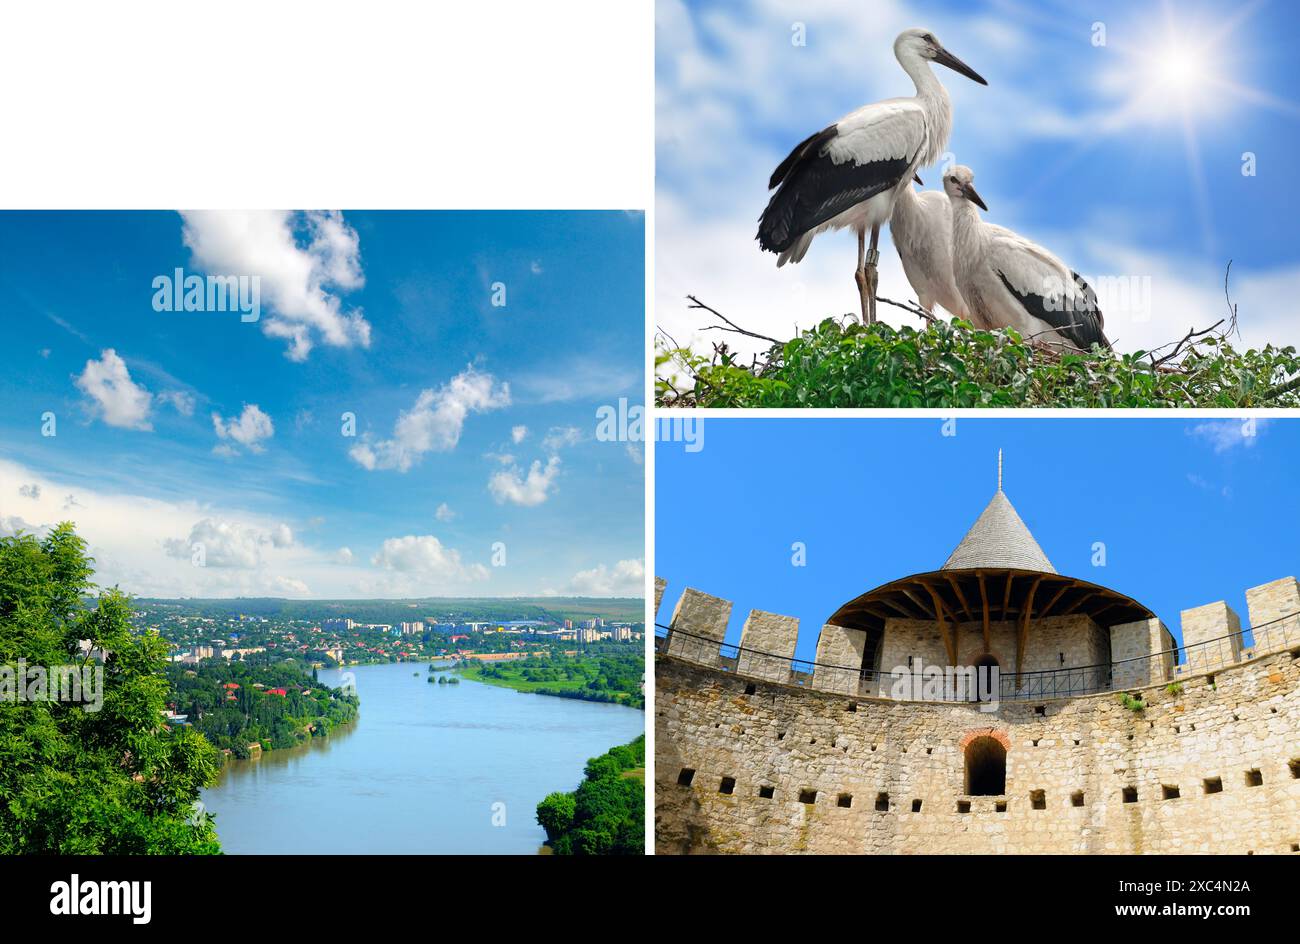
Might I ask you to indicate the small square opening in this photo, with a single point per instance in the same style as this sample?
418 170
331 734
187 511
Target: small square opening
728 785
1169 791
1040 709
1254 778
767 792
1213 784
882 802
808 796
1295 847
963 806
685 777
1076 798
1000 806
1130 794
916 806
853 706
1294 764
844 800
751 688
1038 799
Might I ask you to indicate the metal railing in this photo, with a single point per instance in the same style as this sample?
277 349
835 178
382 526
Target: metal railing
1166 666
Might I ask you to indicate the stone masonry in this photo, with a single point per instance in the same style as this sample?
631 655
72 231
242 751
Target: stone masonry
746 764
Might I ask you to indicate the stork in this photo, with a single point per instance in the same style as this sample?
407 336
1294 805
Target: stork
921 228
849 174
1008 281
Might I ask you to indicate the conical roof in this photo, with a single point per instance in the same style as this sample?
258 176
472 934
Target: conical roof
999 539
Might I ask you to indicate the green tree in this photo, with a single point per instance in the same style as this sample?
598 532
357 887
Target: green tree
72 781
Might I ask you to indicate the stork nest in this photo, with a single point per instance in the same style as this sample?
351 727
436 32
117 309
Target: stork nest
951 364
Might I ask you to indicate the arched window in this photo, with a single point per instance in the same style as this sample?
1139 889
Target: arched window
986 767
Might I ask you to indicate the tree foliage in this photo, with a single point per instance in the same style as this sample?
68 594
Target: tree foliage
116 780
951 364
606 814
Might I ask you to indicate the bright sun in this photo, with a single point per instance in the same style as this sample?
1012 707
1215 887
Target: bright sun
1180 68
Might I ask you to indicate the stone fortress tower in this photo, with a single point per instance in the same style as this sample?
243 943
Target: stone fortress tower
1098 735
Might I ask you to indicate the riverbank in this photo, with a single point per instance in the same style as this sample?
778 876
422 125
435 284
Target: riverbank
617 681
425 769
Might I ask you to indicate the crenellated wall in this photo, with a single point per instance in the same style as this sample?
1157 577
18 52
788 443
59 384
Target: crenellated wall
1209 765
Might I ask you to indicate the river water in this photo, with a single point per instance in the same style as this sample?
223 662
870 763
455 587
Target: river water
425 769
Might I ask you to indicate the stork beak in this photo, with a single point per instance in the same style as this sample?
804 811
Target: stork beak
945 58
974 197
917 178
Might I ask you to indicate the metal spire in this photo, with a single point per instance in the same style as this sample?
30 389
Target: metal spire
999 470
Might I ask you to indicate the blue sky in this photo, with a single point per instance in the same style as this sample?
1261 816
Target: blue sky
1125 158
1189 511
474 423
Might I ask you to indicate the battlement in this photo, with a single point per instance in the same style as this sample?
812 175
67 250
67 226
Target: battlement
1092 658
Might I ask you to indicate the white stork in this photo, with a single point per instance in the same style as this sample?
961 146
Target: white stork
921 229
849 173
1006 280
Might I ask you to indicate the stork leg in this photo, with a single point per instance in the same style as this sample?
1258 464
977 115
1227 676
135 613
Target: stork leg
860 274
872 276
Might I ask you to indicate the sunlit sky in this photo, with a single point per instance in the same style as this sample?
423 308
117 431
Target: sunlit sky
475 424
1189 511
1126 159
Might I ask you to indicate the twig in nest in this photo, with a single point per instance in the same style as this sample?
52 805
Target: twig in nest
737 329
910 307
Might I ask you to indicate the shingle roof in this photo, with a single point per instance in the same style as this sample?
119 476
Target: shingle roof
999 539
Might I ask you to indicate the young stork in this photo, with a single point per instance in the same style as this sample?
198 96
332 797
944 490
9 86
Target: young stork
921 229
849 174
1008 281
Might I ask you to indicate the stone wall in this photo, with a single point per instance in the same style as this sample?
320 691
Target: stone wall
1213 768
1275 614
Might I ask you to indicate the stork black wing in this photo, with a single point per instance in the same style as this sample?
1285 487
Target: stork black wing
1079 324
809 145
814 189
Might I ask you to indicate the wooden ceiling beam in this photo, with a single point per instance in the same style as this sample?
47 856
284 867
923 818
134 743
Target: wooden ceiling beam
961 597
984 600
1023 635
1059 593
948 642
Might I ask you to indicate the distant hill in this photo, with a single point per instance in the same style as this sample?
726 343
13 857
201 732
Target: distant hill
458 609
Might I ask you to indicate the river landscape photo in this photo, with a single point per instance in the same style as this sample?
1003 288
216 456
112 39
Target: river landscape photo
322 532
425 768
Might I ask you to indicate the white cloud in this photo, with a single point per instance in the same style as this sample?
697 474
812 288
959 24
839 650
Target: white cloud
115 398
179 400
1225 435
249 429
444 513
425 556
303 261
228 543
624 579
343 555
435 422
636 452
561 436
536 267
30 491
517 434
510 485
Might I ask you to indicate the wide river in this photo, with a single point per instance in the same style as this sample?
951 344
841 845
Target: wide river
425 769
